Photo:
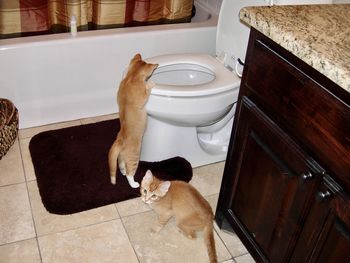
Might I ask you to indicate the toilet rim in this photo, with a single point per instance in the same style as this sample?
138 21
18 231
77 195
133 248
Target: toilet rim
224 80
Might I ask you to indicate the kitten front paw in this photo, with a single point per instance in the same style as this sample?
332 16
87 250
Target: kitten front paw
156 228
150 84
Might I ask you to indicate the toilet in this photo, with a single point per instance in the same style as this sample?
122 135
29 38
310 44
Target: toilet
191 108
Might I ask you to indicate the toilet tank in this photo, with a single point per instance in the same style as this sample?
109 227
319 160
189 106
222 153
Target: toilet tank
232 35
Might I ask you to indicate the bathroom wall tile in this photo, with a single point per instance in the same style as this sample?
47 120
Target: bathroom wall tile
20 252
30 132
15 217
202 2
11 166
27 160
104 242
132 207
168 245
99 118
47 223
247 258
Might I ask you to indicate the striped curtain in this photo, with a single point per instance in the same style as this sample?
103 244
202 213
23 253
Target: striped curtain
33 17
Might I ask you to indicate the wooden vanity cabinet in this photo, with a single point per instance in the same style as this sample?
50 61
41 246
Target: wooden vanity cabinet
287 174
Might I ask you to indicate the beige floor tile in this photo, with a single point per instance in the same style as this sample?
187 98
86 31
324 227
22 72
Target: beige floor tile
230 239
232 242
207 179
229 261
215 168
247 258
99 118
20 252
27 160
168 245
132 207
105 242
15 216
11 166
30 132
213 200
47 223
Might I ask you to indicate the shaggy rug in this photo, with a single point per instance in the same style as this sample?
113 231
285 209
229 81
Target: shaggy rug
71 168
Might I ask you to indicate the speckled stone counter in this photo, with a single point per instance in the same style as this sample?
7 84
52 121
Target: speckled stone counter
317 34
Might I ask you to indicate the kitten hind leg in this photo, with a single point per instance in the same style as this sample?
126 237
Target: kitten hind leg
130 172
187 230
121 165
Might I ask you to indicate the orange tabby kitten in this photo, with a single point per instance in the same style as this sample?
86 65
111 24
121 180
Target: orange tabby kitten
182 201
133 94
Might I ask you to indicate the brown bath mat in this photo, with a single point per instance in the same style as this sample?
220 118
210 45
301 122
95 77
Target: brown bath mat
71 168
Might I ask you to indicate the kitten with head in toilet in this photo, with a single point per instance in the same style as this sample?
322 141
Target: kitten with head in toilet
134 91
182 201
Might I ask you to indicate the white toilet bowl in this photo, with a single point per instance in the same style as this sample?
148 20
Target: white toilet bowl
190 109
191 89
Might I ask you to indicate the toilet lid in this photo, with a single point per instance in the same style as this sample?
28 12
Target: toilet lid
190 75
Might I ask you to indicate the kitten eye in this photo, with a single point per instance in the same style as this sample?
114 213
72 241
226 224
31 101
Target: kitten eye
153 196
144 191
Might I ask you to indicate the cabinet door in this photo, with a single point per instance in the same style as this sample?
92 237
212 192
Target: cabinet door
326 234
271 180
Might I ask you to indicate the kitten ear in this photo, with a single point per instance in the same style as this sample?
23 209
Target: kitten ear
164 187
137 57
148 178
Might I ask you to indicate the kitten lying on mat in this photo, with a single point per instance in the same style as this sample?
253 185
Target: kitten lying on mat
133 94
180 200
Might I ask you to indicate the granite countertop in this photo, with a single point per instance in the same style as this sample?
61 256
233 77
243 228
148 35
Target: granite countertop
317 34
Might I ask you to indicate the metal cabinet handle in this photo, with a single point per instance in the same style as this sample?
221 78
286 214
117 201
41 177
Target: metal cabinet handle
323 196
306 176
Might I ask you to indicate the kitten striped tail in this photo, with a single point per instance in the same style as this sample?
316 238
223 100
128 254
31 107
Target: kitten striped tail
208 235
113 159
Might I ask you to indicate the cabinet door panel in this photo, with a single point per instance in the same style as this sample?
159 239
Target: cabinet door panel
326 233
269 196
306 109
335 247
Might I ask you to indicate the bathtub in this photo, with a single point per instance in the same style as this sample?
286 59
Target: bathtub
57 78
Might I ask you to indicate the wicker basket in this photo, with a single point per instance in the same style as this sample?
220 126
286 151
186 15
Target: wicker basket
8 125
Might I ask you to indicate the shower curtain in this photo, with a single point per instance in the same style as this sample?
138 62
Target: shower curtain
33 17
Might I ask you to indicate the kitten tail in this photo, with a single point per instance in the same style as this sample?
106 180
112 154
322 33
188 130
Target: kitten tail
208 235
112 159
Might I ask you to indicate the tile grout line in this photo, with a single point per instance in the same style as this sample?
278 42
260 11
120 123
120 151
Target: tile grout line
29 200
127 234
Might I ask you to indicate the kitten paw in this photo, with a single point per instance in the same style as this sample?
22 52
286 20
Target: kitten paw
122 171
155 229
134 185
132 182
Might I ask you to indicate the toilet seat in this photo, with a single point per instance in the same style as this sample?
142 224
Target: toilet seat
223 80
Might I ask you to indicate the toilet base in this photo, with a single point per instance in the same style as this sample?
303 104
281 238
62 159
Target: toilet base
163 140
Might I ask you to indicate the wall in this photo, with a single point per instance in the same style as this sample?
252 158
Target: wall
213 5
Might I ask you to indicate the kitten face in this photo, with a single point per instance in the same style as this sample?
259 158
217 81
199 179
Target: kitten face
148 196
152 189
